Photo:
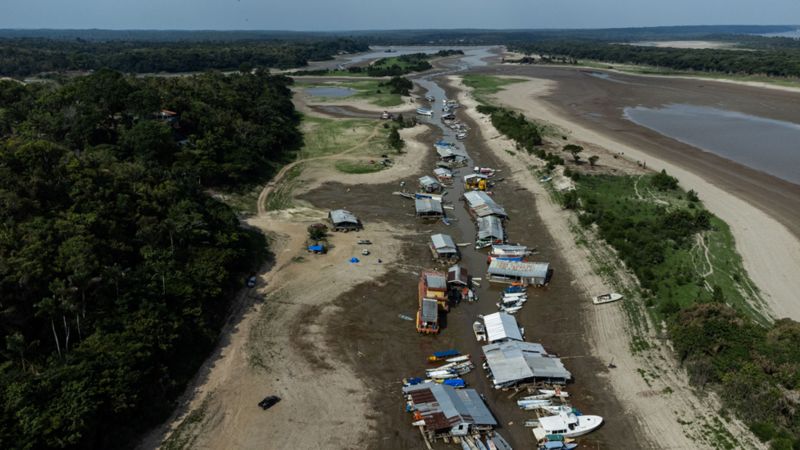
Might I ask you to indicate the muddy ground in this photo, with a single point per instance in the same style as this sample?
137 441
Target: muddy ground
384 348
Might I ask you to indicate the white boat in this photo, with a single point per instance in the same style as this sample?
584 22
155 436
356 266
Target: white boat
553 409
511 309
430 98
541 396
567 425
461 136
425 112
464 445
606 298
480 330
458 359
500 442
555 392
533 402
480 444
443 375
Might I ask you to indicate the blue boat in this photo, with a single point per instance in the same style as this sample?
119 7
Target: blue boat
514 289
437 356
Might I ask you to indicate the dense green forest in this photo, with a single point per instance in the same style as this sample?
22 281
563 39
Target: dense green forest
754 365
782 62
27 56
116 266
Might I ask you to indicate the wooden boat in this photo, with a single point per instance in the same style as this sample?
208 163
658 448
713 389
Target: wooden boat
557 392
458 359
443 355
606 298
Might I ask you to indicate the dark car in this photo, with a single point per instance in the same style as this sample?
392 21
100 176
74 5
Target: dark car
251 282
269 402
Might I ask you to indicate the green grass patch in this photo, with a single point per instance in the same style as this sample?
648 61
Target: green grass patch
356 167
245 202
323 137
663 237
281 197
485 85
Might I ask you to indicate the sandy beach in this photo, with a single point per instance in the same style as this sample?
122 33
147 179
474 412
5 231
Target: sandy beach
761 210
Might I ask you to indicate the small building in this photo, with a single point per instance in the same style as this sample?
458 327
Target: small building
451 153
443 248
428 316
443 175
526 273
457 276
481 205
514 362
490 231
501 327
429 208
343 220
448 411
429 184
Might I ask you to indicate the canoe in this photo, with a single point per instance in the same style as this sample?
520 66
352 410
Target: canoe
555 393
458 359
606 298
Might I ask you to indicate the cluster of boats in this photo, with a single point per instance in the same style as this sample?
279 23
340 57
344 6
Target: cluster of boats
453 368
512 299
495 442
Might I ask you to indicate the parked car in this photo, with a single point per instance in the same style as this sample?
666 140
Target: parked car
269 402
251 281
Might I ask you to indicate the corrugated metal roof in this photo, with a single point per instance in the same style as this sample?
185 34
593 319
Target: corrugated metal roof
442 172
536 270
443 406
443 243
501 326
483 205
428 180
430 310
428 206
490 227
473 176
515 361
435 280
342 216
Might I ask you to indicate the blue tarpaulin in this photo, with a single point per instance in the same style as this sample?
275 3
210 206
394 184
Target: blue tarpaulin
455 382
354 260
316 248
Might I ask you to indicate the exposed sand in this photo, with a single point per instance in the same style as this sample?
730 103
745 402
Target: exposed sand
656 412
761 240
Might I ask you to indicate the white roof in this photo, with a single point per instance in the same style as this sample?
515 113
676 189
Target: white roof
536 270
501 326
442 172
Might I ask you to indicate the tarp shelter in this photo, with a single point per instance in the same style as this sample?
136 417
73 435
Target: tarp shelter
445 409
501 327
429 184
482 205
343 220
514 362
525 272
457 275
443 246
428 207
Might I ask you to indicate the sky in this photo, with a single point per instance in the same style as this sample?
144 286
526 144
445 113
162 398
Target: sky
335 15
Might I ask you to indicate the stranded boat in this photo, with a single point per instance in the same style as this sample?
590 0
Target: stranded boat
480 331
606 298
567 425
425 112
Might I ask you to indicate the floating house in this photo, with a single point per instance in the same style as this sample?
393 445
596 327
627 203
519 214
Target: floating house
442 410
508 252
343 220
433 285
490 231
457 276
430 208
514 362
481 205
429 184
443 248
501 327
428 316
450 153
443 175
524 273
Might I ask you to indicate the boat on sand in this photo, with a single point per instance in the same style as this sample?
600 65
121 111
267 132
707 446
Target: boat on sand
606 298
